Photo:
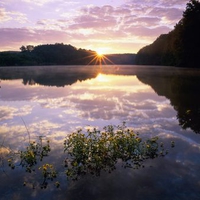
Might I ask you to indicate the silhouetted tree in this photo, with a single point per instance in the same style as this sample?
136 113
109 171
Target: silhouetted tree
29 48
22 48
187 40
59 54
181 46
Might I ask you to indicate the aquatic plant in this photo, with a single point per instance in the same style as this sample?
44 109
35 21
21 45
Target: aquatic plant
98 151
29 158
89 152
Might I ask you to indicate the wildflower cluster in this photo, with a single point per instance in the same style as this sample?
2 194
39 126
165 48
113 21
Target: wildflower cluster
96 151
48 173
90 152
28 158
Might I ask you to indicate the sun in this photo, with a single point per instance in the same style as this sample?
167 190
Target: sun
99 57
99 53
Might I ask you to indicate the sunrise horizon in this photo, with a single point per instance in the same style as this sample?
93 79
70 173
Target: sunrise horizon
106 26
100 52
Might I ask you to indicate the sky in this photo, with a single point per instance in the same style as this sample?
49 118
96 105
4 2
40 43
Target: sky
105 26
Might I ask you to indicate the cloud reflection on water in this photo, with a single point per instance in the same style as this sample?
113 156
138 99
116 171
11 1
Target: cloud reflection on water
106 99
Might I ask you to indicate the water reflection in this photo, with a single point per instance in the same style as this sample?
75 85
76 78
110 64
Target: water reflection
50 75
181 87
112 94
111 98
148 99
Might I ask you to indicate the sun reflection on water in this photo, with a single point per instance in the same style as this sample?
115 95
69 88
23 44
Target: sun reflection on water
102 78
95 101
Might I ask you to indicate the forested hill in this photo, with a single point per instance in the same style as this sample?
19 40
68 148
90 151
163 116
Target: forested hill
120 59
48 54
180 47
59 54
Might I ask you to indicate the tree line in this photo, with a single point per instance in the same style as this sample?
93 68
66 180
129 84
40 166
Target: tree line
48 54
60 54
180 47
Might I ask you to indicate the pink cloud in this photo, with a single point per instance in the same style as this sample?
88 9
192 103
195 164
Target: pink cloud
143 31
172 14
17 37
4 15
12 15
164 3
174 3
143 21
94 25
89 21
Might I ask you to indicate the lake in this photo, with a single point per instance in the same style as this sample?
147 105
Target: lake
54 101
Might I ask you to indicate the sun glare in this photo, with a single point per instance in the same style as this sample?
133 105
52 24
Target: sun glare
100 53
102 78
99 58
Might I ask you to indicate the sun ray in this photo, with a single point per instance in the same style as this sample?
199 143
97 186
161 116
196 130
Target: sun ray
98 58
105 58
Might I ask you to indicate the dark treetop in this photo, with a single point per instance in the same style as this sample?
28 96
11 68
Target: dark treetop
180 47
60 54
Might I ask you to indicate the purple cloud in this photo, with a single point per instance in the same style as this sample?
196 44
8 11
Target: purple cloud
4 15
131 22
16 37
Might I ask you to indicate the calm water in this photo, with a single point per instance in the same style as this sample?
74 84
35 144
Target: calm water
55 101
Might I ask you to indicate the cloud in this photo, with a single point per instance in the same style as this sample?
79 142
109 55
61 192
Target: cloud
142 21
88 25
38 2
19 17
12 15
94 22
6 112
13 38
169 16
174 3
128 20
164 3
9 112
4 15
149 32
